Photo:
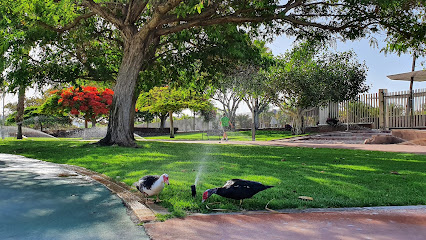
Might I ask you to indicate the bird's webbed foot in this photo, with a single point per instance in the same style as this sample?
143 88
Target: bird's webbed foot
157 200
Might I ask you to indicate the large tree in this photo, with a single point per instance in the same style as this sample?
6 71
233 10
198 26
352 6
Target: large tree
145 25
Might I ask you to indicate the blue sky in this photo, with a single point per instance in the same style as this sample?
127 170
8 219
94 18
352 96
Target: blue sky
379 65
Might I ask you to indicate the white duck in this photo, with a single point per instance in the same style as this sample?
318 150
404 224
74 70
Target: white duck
152 185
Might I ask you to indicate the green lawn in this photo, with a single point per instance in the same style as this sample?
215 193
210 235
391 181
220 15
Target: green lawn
261 135
332 177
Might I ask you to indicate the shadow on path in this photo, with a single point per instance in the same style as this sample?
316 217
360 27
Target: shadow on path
35 203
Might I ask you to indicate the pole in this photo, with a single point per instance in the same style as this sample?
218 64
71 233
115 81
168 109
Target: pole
253 122
383 123
347 116
410 102
2 118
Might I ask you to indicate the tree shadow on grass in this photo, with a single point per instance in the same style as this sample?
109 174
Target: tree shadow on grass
333 177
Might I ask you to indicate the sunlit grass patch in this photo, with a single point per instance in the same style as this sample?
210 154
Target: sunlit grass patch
354 167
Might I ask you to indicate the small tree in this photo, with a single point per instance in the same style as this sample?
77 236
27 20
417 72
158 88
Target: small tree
33 117
307 76
170 100
86 101
227 97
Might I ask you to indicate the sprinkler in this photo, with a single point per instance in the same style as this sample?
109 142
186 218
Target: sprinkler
193 190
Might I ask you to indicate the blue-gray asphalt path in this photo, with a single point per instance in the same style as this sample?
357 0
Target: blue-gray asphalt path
36 203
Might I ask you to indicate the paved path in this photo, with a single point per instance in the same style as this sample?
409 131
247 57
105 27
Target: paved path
41 200
386 223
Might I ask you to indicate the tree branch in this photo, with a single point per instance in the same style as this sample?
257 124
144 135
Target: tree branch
167 6
69 26
106 14
134 10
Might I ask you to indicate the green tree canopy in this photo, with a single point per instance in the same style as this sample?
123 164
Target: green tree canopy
142 28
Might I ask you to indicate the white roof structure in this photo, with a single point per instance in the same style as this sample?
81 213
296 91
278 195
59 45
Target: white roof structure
418 76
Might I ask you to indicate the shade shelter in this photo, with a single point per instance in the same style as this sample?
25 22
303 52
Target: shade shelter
414 76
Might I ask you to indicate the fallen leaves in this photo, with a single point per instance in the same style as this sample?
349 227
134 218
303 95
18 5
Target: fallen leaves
305 198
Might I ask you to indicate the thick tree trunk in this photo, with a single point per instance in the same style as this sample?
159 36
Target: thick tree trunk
163 121
121 120
20 111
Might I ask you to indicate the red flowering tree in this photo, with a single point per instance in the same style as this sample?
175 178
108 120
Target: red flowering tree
89 102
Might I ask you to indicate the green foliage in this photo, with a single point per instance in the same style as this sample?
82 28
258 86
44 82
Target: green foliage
243 121
28 113
18 36
308 76
198 58
34 117
51 105
143 116
408 36
166 99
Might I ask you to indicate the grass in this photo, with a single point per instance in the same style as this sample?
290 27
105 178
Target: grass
332 177
261 135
